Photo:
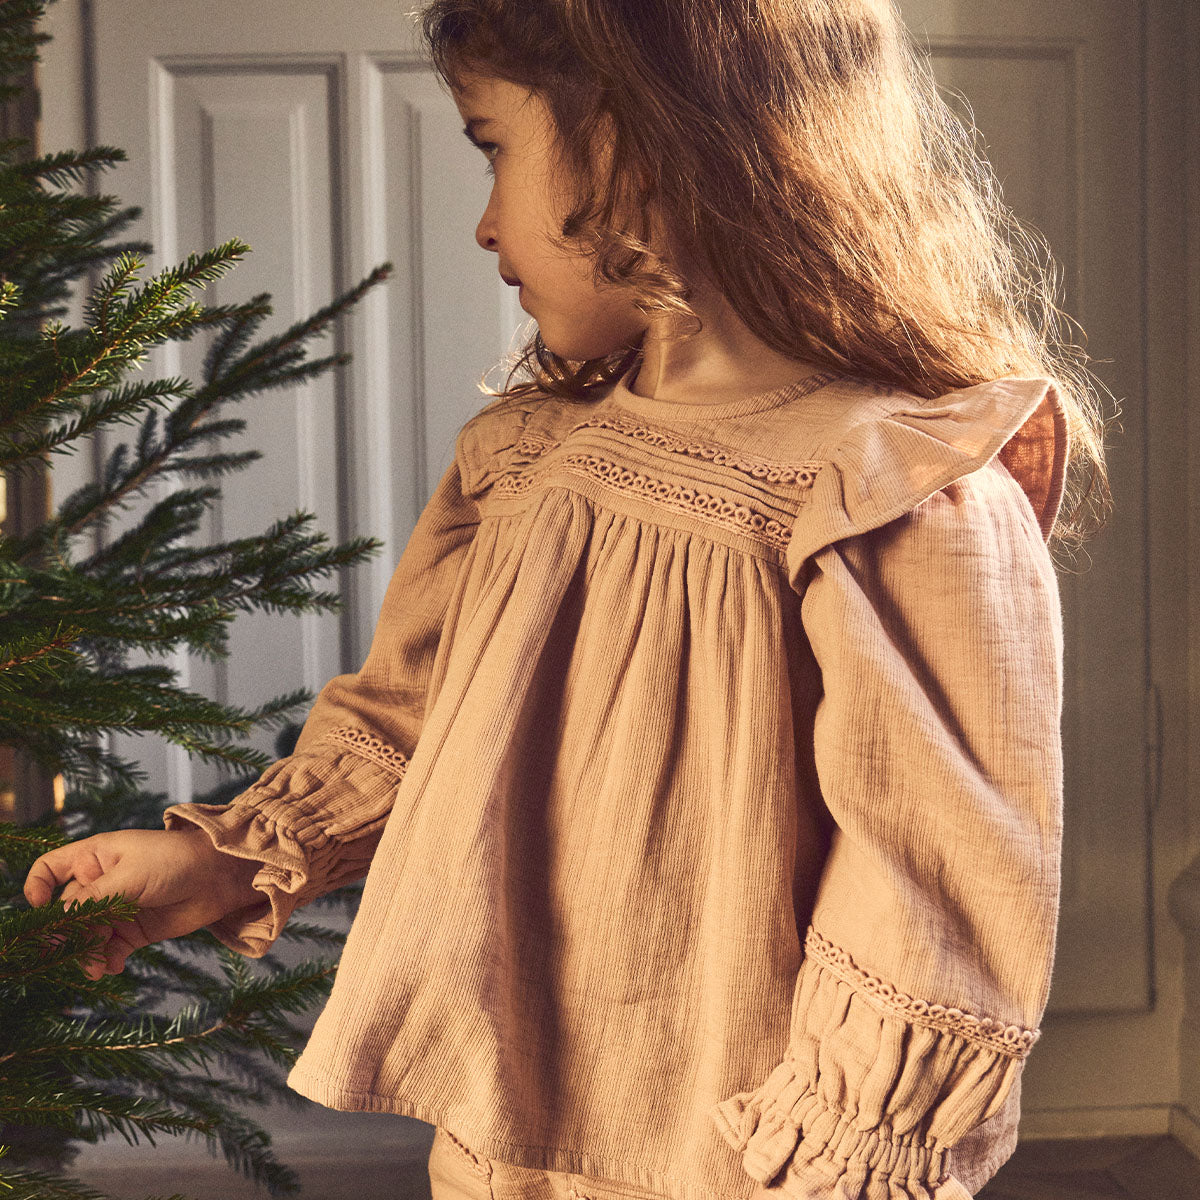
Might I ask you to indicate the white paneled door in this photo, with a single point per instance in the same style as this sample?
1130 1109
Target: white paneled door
315 132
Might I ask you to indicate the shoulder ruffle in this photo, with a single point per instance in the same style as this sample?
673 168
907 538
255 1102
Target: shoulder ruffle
503 435
885 466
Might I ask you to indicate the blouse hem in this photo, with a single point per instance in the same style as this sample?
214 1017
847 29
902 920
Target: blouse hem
545 1158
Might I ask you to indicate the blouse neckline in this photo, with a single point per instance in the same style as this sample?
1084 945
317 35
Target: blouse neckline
624 398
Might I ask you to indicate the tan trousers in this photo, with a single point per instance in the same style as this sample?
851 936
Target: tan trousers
456 1172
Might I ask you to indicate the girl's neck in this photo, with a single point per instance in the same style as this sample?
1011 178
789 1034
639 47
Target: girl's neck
723 361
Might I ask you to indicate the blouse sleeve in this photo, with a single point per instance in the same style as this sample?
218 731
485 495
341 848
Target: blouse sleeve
932 608
315 817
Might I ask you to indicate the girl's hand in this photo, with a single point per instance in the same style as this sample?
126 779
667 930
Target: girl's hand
180 880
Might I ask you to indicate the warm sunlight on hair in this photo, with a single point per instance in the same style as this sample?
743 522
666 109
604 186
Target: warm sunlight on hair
812 170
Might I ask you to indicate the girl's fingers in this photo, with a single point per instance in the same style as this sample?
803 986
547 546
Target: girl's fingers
123 940
78 874
53 868
93 966
63 865
114 961
88 869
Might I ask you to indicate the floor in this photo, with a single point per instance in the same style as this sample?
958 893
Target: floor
391 1166
1120 1168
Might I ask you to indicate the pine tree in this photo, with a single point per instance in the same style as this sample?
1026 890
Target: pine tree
82 1059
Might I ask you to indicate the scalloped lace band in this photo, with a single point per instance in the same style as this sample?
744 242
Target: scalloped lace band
1014 1040
369 746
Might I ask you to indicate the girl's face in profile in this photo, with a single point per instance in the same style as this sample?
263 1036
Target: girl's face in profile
514 129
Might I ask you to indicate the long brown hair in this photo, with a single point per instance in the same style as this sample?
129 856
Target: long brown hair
814 174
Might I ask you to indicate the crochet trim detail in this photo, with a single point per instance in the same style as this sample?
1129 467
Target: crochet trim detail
772 472
475 1163
739 517
1015 1041
369 746
533 445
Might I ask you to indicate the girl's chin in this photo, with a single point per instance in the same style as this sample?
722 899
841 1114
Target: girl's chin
581 349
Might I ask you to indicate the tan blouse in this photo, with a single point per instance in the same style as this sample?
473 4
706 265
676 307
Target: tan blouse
706 775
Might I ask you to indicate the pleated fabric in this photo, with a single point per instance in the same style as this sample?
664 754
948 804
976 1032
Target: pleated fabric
705 772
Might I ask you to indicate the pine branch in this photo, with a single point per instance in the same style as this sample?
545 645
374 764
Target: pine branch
139 315
95 1111
64 166
76 756
243 1144
36 649
37 943
207 466
296 931
160 969
125 329
269 351
245 1015
10 295
117 406
242 327
21 844
23 1184
181 716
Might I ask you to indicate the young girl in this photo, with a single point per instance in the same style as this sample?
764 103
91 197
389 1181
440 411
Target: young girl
705 768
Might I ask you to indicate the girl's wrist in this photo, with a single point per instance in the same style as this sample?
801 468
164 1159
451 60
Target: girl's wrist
236 875
239 873
232 874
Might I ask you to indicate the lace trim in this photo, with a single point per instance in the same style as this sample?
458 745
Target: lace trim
533 445
369 746
772 472
739 517
1015 1041
480 1165
579 1188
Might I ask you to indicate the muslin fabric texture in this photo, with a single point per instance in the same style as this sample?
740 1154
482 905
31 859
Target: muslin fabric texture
456 1172
705 770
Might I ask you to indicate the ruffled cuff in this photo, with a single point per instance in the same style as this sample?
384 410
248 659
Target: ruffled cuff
313 820
874 1089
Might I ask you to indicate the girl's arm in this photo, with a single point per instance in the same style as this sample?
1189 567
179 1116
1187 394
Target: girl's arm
937 746
314 818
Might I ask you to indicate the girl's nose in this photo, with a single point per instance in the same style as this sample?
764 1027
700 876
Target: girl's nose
485 232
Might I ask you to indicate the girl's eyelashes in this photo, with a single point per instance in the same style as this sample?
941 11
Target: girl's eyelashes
486 147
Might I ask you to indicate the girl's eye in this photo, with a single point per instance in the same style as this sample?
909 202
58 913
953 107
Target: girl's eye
486 147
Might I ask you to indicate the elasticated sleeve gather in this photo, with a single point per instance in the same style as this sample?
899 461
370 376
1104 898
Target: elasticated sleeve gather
315 817
932 608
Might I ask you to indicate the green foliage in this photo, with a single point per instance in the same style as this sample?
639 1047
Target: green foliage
81 1059
88 1058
